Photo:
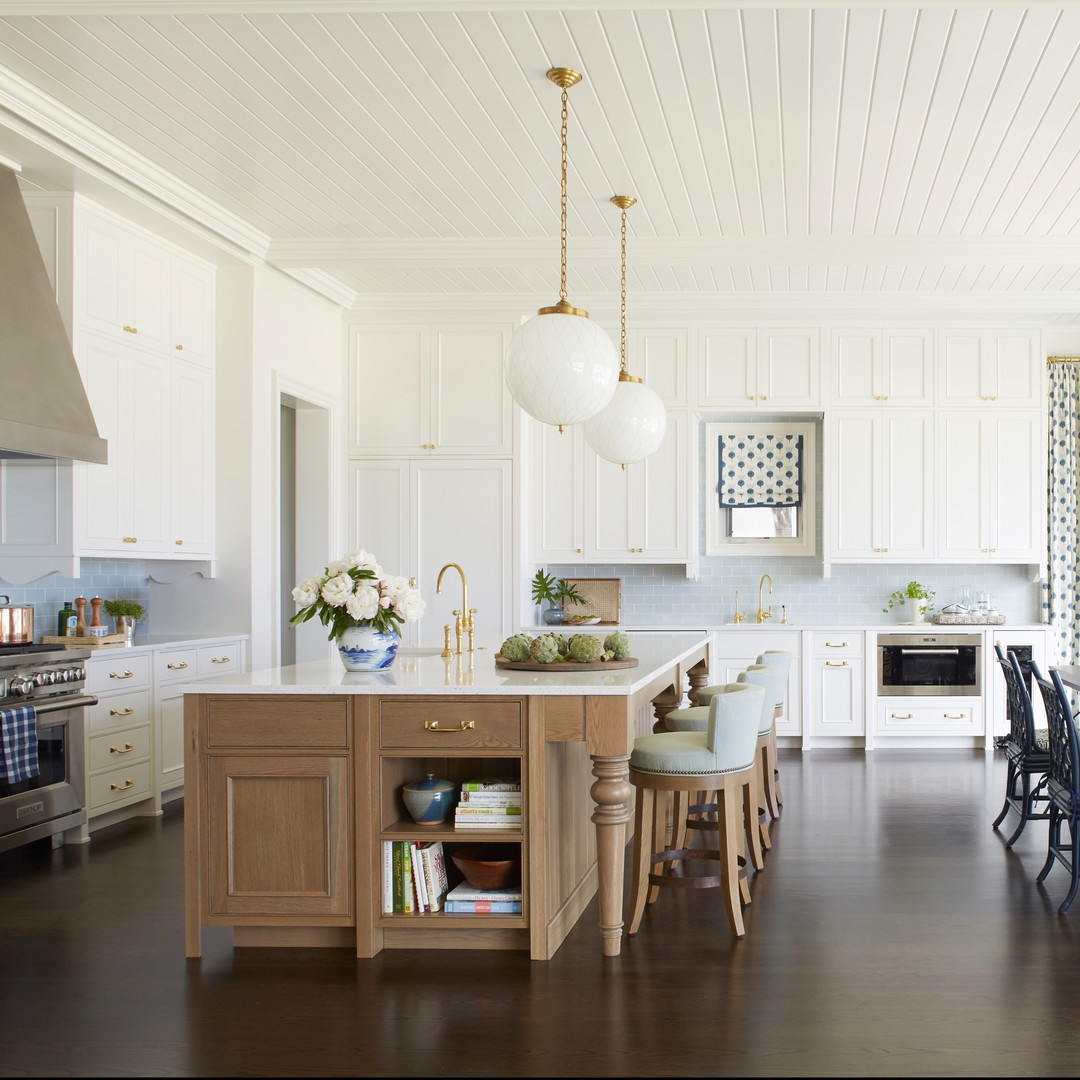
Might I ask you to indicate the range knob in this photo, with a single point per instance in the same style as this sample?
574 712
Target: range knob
22 686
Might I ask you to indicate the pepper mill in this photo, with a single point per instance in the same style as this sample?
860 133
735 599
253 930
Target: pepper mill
95 619
80 626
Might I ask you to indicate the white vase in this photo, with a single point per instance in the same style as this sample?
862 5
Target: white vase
915 613
363 648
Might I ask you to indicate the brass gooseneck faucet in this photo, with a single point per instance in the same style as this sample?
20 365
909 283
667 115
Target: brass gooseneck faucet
463 619
762 614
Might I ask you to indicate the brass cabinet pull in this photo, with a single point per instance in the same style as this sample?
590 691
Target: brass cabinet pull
178 542
836 663
180 348
177 667
122 787
433 725
219 660
130 330
954 716
833 645
121 712
898 716
127 675
131 539
116 749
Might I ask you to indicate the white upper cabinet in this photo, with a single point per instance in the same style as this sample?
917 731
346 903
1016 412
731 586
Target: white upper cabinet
992 487
981 368
429 390
765 369
659 357
875 367
880 487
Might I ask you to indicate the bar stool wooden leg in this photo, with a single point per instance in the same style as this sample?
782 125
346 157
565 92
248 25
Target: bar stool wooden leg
750 825
643 833
774 762
730 847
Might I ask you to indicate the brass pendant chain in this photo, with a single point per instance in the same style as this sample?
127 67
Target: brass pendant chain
622 305
562 203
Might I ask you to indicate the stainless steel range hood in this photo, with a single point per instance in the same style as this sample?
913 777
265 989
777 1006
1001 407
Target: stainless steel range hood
44 411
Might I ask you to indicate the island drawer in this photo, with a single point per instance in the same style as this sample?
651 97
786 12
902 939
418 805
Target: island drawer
279 721
438 724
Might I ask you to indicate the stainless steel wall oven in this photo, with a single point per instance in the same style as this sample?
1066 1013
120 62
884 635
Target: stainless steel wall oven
929 665
52 680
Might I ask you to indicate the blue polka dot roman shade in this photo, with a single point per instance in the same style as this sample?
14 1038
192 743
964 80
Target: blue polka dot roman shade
760 470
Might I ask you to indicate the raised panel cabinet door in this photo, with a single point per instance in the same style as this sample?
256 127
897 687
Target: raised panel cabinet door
906 491
659 495
193 306
104 514
659 357
556 509
192 532
389 393
855 378
381 512
789 373
961 376
100 254
149 287
470 407
854 475
612 529
152 478
907 367
279 836
1017 488
169 716
1019 369
962 511
728 368
838 703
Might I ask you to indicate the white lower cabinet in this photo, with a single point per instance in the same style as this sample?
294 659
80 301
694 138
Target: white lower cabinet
836 698
135 733
735 650
928 716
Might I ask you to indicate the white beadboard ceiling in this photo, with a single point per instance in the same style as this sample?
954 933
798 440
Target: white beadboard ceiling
874 158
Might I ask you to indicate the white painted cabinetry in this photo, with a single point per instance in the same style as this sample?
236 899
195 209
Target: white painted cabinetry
836 697
991 474
735 650
872 367
432 390
990 368
765 369
418 515
880 485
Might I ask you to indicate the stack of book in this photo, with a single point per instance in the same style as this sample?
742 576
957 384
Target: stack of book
414 876
463 899
489 804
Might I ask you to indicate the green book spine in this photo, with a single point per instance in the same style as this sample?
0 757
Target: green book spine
399 899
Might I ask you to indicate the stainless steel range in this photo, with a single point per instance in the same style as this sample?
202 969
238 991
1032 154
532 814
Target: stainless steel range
52 680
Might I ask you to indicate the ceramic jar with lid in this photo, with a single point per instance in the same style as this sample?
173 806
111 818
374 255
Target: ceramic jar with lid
429 801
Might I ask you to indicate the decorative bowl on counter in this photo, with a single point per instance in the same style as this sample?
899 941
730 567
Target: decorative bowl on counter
582 620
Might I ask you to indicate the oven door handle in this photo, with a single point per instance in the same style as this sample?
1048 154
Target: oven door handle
60 706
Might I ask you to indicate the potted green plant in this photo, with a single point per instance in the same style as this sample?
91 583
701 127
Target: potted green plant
918 600
547 588
126 612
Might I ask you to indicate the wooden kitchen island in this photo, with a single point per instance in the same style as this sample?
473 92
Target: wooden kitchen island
294 776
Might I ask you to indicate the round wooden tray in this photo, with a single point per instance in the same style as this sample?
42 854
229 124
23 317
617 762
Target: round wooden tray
564 665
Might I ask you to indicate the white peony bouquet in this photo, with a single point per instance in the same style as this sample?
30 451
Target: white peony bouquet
354 591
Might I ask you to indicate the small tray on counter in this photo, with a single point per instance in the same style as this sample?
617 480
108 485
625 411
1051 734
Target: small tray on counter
564 665
108 641
968 620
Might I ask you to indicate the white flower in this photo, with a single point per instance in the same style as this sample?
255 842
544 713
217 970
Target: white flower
363 560
337 590
364 603
307 591
410 605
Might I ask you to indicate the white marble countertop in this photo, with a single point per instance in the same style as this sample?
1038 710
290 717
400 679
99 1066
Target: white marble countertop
423 671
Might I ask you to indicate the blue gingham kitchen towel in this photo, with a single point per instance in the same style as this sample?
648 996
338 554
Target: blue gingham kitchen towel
18 744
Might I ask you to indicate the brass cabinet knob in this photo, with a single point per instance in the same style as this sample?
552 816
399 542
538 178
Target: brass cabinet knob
131 539
130 330
178 543
179 348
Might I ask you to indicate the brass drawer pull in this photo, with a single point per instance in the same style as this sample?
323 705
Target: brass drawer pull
127 675
955 716
834 663
130 330
433 725
834 645
220 660
177 667
122 787
116 749
898 716
131 539
121 712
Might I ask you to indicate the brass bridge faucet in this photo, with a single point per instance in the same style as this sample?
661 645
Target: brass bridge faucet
762 614
464 621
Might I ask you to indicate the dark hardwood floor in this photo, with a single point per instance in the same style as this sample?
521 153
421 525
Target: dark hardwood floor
891 934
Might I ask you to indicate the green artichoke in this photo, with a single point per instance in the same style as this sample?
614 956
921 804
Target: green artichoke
585 648
561 642
544 650
619 644
516 648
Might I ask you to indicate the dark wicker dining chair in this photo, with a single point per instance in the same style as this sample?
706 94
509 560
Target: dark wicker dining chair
1062 780
1027 750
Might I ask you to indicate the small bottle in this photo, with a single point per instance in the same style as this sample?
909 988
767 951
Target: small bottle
66 621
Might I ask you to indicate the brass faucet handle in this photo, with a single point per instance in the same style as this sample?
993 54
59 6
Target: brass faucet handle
446 642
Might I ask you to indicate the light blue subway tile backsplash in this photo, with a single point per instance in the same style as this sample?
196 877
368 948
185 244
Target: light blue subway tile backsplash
110 579
662 594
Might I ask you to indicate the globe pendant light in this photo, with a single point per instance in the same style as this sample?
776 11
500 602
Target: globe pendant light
633 424
560 367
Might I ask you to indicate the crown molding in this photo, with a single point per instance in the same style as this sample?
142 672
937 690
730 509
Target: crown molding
326 285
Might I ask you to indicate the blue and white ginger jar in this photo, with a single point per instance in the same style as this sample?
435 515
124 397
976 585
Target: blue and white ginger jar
363 648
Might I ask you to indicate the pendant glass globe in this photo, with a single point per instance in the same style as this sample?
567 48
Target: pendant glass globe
630 427
561 368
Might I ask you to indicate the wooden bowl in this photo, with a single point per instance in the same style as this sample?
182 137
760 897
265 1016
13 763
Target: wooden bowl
487 866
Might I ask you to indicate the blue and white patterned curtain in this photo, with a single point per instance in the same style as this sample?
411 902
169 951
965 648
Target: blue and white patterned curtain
760 470
1062 589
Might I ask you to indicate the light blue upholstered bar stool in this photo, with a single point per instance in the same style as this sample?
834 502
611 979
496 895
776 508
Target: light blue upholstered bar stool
720 759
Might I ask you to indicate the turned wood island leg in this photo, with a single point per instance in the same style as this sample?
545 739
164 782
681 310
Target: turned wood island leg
612 794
